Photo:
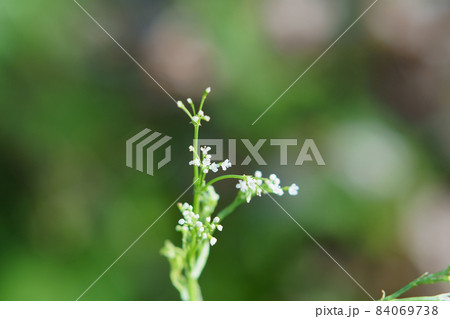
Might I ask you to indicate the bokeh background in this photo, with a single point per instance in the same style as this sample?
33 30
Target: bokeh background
377 106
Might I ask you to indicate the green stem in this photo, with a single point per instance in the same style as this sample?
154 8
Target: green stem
203 101
223 177
196 200
401 291
425 279
195 293
192 106
181 106
230 208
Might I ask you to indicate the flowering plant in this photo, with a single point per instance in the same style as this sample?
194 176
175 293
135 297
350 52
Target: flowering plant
198 225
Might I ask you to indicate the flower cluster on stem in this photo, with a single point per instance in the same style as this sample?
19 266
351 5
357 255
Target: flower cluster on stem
250 186
192 226
199 220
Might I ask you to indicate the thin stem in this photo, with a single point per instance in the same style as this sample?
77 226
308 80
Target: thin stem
192 106
203 100
230 208
192 274
194 289
196 202
404 289
223 177
181 106
425 279
196 128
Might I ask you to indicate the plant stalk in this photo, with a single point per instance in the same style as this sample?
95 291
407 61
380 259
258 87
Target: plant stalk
230 208
195 293
425 279
196 202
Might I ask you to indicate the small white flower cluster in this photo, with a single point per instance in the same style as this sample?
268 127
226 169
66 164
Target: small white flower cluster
200 116
274 184
251 186
191 222
293 190
205 163
195 117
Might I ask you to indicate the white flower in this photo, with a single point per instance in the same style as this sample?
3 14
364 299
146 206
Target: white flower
195 118
251 183
274 185
258 174
195 162
250 186
206 161
276 189
191 221
214 167
189 100
180 104
191 148
208 90
275 180
186 206
205 149
225 164
293 190
242 185
202 115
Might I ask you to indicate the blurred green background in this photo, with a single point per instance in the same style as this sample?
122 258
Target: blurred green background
377 106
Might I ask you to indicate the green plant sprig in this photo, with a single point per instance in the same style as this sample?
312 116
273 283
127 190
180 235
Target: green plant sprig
425 279
198 224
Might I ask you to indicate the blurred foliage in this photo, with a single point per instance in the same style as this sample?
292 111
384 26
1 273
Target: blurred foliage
69 99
